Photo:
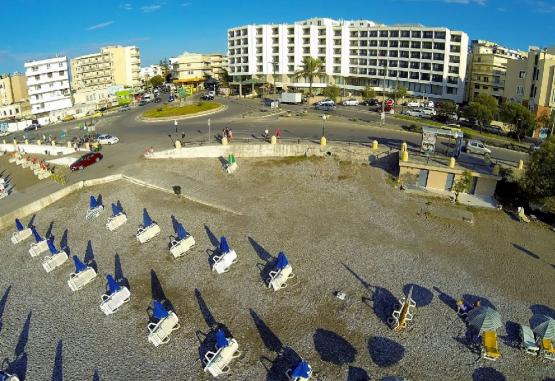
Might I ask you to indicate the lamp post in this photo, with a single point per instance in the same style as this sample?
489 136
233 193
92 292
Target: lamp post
274 64
324 118
382 116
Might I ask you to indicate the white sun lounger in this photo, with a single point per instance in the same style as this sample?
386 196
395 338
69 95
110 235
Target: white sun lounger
21 235
527 342
26 163
231 168
278 278
146 234
159 333
115 222
79 280
38 248
94 212
52 262
521 215
178 248
218 363
111 303
13 158
223 262
44 175
20 159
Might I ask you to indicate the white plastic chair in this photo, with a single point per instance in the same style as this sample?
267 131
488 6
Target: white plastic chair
52 262
223 262
111 303
217 363
278 278
178 247
79 280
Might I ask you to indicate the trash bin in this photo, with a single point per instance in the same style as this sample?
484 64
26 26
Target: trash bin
177 190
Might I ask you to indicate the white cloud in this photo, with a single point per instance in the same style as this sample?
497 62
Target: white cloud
126 6
150 8
101 25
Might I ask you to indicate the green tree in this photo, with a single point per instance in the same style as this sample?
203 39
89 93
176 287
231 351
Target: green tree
224 78
539 179
400 92
368 93
156 81
444 110
311 67
462 185
331 91
483 108
520 117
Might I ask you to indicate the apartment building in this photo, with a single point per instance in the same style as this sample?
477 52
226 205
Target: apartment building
193 68
487 68
427 61
48 85
14 100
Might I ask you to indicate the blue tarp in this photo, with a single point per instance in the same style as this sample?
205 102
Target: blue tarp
282 261
79 266
92 203
158 311
221 340
147 221
224 247
18 225
36 234
301 370
113 286
52 247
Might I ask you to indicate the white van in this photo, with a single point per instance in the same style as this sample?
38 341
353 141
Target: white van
148 97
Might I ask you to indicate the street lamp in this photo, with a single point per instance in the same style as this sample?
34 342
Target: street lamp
383 93
274 64
324 118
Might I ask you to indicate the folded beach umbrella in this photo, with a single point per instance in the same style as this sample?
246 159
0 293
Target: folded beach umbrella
79 266
92 202
52 247
221 340
147 221
302 370
158 311
113 286
484 319
224 247
282 261
181 232
545 326
36 234
115 210
18 225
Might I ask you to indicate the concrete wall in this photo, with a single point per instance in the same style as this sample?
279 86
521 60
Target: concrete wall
436 180
485 186
39 149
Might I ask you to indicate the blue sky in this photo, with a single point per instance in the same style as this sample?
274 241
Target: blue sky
165 28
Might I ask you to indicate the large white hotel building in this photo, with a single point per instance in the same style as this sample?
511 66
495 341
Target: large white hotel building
48 85
429 62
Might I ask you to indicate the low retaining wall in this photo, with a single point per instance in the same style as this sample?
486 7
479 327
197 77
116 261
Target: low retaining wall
39 149
239 150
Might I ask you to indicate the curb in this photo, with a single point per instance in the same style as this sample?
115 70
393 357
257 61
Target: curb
172 118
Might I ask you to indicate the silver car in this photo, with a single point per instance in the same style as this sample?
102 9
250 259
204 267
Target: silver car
478 147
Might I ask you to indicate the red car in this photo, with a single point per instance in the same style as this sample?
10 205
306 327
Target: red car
86 160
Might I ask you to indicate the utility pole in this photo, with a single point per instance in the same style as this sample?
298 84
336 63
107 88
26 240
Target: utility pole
274 64
383 93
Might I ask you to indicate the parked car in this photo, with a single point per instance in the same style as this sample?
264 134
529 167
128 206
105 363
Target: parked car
324 107
413 112
96 114
171 98
412 104
369 102
494 130
124 108
350 102
107 139
67 118
86 160
428 111
32 127
207 97
142 102
157 100
328 102
478 147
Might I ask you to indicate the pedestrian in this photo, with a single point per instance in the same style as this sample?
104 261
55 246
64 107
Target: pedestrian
277 133
183 137
230 135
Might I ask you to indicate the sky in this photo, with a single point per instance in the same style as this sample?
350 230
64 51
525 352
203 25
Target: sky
34 29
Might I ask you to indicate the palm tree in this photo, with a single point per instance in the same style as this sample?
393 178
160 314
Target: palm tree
311 68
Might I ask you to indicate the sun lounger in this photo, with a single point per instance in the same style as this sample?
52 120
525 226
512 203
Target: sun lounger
148 230
283 272
95 208
26 163
44 175
116 297
228 256
217 363
20 159
82 276
117 219
55 260
521 215
403 313
159 333
183 241
547 349
490 348
39 246
21 233
527 341
4 376
231 164
301 372
13 157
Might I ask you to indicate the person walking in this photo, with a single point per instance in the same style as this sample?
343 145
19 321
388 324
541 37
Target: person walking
277 132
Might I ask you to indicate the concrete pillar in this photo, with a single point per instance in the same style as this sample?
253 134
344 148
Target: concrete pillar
273 140
39 142
496 169
323 141
14 141
374 144
224 141
403 146
452 162
520 165
53 143
177 144
26 141
404 156
87 146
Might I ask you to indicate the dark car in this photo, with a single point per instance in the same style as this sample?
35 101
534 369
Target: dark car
370 102
325 107
142 102
207 97
124 108
171 98
157 100
86 160
32 127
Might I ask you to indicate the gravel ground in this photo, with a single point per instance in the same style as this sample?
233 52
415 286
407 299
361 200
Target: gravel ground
342 226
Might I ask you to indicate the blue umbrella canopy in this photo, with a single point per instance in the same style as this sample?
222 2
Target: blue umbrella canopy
302 370
79 266
174 224
115 209
18 225
52 247
224 247
36 234
120 207
181 232
282 261
147 221
158 311
221 340
92 202
113 286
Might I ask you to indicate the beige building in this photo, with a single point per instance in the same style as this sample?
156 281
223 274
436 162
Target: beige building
193 68
13 89
487 69
113 65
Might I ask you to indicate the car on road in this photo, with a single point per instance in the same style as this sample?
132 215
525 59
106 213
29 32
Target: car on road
32 127
142 102
328 102
412 104
350 102
324 107
207 97
477 147
494 130
67 118
86 160
370 102
107 139
124 108
413 112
